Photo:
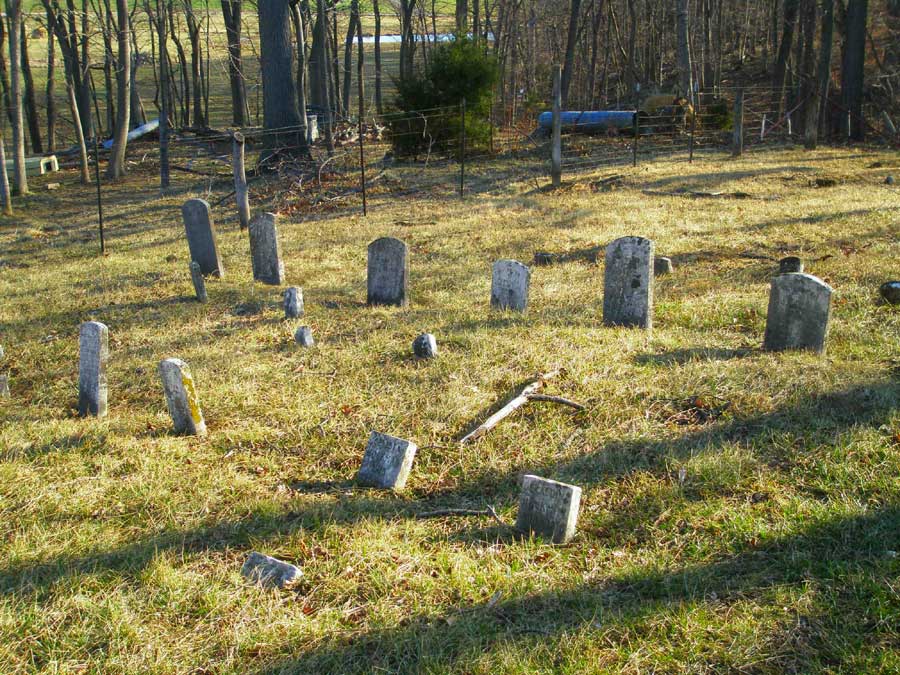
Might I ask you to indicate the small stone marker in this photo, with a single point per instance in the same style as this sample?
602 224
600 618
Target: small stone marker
628 283
799 313
509 285
293 303
270 572
790 265
387 462
4 386
662 266
201 236
199 281
388 272
889 180
548 508
181 397
93 353
2 353
425 346
304 336
889 290
265 251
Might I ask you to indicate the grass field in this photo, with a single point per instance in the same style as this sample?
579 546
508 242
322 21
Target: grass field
760 536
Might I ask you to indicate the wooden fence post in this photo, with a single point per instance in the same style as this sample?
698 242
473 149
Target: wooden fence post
240 181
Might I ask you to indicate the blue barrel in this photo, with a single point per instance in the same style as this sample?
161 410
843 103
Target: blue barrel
587 121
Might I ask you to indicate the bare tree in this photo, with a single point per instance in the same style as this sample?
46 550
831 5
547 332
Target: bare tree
116 167
14 16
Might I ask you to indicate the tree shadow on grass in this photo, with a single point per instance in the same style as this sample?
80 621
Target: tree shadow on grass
829 555
681 356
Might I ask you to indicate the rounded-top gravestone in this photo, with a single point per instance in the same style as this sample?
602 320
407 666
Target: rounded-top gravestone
628 283
388 272
799 313
510 280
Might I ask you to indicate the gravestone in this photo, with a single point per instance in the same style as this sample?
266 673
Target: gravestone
548 508
181 398
270 572
387 462
662 266
199 281
4 386
293 303
201 236
425 346
509 285
790 265
304 336
93 353
265 251
388 272
799 313
628 283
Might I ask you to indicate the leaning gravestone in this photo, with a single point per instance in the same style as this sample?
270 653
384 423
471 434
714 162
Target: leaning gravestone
270 572
388 272
201 236
628 283
93 353
509 285
198 281
181 398
799 313
265 251
293 303
548 508
387 462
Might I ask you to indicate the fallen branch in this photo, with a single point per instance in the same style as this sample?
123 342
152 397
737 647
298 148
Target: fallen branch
509 408
443 513
556 399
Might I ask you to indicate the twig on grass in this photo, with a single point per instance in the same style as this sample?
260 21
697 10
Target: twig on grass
556 399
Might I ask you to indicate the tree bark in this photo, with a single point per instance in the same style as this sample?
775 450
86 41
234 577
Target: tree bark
853 67
379 102
31 113
51 85
279 88
231 13
14 14
784 51
569 61
116 167
685 76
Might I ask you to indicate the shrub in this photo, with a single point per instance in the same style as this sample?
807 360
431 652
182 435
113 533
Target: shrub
428 111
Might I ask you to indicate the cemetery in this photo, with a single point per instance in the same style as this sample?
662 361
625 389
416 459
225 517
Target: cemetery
441 439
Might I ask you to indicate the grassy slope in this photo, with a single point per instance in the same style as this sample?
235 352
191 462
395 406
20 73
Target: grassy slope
120 544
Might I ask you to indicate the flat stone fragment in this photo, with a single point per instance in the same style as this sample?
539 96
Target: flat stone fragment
662 266
548 508
388 272
790 265
425 346
387 462
628 283
199 281
293 303
201 236
510 280
799 313
4 386
93 353
181 398
890 291
304 336
265 250
270 572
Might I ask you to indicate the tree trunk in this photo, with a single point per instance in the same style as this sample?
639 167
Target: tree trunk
279 88
685 75
462 17
79 135
4 180
348 53
300 32
784 51
231 13
51 84
116 167
808 110
823 88
379 102
31 113
569 61
14 14
853 67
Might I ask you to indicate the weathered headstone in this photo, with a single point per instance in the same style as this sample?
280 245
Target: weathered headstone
4 386
199 281
270 572
509 285
201 236
312 129
265 251
93 353
790 265
387 462
890 291
293 303
304 336
181 397
425 346
799 313
628 283
388 272
548 508
662 266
